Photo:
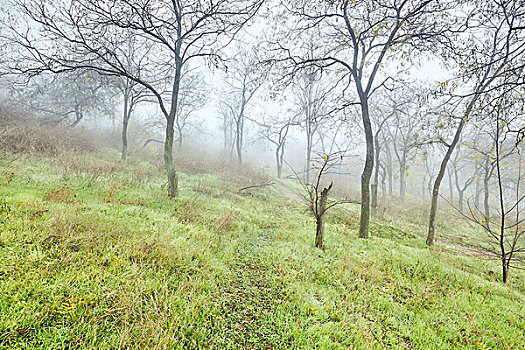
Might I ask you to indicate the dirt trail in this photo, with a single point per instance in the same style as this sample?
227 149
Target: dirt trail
465 250
286 192
252 300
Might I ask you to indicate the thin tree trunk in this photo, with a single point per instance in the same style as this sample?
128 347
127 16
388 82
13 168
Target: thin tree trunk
383 183
367 171
478 190
439 178
486 192
375 182
450 186
173 179
125 122
390 171
501 207
402 183
319 235
308 155
179 132
278 160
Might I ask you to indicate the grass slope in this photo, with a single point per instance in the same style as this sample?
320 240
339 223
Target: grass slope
93 255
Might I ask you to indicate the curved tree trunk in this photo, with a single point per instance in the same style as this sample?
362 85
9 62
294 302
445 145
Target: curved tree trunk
439 178
367 171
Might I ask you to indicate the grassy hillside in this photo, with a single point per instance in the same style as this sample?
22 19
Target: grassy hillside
94 255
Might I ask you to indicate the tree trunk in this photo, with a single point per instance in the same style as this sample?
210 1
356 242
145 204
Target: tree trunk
423 190
402 182
478 190
373 202
375 182
78 116
486 192
505 271
308 155
238 145
173 179
319 235
125 122
460 201
389 171
179 132
383 184
278 160
450 186
439 178
367 171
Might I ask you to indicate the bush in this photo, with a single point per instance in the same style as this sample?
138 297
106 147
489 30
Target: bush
23 133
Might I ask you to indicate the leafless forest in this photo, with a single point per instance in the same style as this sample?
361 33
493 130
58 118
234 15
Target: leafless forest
367 103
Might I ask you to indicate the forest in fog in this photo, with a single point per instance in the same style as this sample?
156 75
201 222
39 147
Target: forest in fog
395 108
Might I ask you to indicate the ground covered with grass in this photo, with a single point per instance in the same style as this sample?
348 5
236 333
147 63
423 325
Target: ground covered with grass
94 255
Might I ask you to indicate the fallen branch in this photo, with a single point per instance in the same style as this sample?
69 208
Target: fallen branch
152 140
269 183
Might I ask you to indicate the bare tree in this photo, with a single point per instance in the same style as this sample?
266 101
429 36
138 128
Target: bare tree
489 57
504 228
89 35
65 98
312 94
359 36
276 130
245 77
132 92
318 193
193 96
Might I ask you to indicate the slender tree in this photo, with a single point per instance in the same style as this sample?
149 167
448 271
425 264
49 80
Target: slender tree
89 35
484 60
360 35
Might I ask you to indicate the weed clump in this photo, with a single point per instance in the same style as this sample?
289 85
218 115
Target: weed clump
61 195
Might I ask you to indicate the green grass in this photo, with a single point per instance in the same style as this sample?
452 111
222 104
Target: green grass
94 255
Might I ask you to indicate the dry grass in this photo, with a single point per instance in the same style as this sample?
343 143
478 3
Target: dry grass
195 162
61 195
20 132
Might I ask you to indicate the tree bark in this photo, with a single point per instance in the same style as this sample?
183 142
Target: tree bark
450 186
367 171
308 154
486 192
478 190
278 160
125 122
319 235
383 183
439 178
173 179
239 132
375 182
402 181
389 170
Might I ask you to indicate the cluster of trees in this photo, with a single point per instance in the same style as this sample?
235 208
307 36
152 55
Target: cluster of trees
330 71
